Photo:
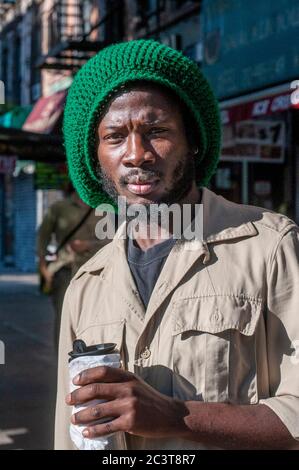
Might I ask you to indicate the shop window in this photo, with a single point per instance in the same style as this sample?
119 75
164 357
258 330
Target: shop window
227 181
267 184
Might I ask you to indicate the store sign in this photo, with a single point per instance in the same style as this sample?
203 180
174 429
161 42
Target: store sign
254 140
7 164
50 175
249 45
265 106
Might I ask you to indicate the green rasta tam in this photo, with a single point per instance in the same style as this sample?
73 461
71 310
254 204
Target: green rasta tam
104 76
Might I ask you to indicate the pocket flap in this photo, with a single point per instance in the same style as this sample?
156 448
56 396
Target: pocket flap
216 313
98 333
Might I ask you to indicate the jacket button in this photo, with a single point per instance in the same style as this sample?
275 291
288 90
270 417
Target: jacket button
145 353
216 317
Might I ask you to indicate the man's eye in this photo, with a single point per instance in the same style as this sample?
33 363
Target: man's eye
114 136
156 130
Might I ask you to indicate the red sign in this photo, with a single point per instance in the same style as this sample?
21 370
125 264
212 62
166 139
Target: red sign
257 108
45 113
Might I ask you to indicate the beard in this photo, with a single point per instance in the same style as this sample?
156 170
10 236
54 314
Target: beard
182 181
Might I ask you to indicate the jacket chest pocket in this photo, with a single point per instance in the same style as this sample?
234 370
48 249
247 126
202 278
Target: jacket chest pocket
98 333
214 349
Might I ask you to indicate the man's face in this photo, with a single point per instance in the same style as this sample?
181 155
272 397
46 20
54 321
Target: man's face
143 151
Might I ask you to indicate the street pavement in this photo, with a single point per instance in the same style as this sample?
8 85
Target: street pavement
28 376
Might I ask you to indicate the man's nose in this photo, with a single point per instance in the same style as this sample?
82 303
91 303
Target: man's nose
138 151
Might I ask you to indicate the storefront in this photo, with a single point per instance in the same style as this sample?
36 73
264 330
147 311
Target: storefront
258 157
26 138
251 59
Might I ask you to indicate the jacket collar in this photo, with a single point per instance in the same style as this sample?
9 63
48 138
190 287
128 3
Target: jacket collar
222 220
225 220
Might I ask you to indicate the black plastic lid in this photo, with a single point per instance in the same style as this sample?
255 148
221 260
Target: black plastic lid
80 349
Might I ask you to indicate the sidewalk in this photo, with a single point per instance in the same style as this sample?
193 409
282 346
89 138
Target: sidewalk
28 377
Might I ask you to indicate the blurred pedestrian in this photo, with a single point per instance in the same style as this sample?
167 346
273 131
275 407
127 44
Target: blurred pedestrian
72 225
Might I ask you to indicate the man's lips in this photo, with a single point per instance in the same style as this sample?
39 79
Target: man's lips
144 187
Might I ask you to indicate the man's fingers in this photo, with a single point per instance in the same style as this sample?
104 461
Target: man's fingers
93 391
103 429
102 374
111 409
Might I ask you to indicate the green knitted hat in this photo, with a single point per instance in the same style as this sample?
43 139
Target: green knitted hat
103 75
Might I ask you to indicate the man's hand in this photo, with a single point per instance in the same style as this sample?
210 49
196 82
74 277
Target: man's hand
48 278
136 407
47 275
80 246
139 409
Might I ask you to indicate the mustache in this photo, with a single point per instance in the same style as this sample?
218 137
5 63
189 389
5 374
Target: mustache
142 176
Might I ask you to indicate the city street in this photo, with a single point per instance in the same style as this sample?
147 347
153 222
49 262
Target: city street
27 386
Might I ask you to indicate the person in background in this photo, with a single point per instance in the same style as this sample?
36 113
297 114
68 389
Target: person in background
72 224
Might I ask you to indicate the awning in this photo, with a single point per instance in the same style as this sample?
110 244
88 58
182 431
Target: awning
16 117
46 113
257 105
30 145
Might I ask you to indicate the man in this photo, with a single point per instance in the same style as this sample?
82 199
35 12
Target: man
60 220
207 327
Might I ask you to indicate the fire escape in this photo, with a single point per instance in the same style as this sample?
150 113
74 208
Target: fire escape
72 38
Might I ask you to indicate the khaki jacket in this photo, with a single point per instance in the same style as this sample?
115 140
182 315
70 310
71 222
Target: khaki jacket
222 324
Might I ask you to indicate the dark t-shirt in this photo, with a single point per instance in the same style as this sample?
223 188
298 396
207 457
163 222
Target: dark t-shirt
146 265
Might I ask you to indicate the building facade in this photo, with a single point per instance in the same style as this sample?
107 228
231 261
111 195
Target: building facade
17 195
